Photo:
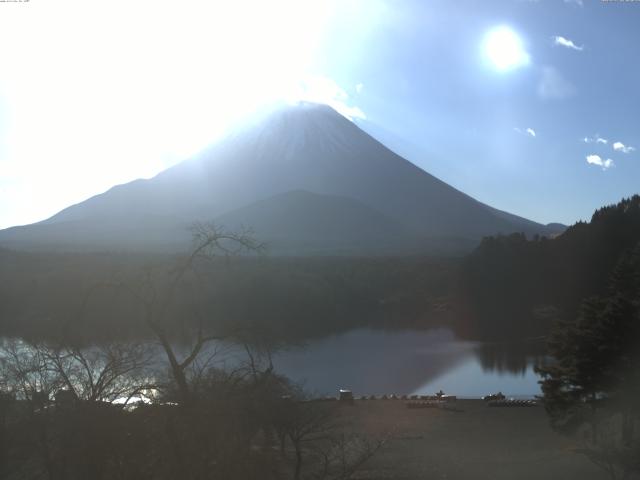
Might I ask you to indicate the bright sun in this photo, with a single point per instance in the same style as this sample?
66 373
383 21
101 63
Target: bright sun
504 50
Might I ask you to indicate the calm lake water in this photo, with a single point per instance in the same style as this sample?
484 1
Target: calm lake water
375 362
407 362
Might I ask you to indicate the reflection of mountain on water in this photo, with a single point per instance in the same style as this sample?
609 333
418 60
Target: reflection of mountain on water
374 362
402 362
514 358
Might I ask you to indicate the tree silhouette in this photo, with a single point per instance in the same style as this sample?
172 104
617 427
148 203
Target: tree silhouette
593 388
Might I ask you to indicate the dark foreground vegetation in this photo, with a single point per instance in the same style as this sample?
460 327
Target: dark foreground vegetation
73 414
70 389
75 409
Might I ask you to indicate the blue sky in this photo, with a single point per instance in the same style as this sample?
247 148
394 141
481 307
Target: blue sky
96 94
456 116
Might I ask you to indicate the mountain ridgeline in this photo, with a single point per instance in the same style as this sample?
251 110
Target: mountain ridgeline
305 179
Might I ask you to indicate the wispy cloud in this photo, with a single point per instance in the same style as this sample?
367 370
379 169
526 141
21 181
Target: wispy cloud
597 160
325 90
595 139
621 147
359 88
526 131
579 3
565 42
553 85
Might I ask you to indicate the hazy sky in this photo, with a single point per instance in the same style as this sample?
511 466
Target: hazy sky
529 106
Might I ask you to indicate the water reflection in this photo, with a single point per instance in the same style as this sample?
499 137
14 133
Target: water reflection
376 362
514 358
405 362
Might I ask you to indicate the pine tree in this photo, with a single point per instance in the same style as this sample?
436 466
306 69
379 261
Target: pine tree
593 387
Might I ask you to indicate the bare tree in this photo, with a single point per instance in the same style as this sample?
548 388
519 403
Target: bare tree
66 414
209 241
106 373
307 422
323 447
158 295
27 373
344 456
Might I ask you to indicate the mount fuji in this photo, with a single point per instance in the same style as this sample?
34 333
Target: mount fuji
304 178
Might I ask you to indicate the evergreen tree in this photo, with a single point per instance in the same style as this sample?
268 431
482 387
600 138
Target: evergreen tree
593 387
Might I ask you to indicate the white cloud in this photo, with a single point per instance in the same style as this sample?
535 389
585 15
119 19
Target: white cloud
553 85
526 131
621 147
325 90
579 3
359 88
565 42
595 139
597 160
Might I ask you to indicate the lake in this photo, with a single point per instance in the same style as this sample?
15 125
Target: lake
377 362
401 362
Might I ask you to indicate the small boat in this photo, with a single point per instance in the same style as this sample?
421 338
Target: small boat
494 396
345 396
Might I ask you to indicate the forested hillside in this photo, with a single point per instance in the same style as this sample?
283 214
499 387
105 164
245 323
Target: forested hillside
292 298
518 287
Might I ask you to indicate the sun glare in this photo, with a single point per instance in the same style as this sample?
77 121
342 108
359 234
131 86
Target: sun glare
503 48
127 105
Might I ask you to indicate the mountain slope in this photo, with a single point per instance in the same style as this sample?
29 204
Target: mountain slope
307 147
300 222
